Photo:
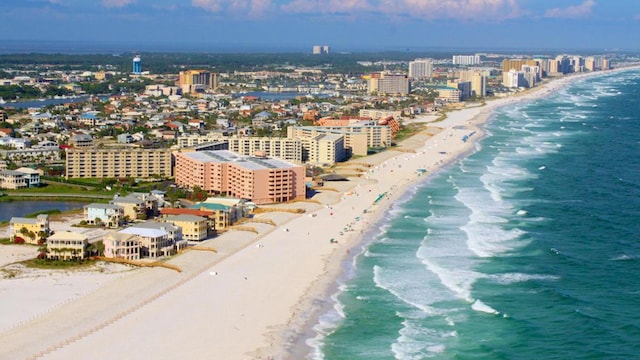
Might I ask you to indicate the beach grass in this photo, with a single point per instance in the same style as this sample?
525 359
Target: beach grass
57 264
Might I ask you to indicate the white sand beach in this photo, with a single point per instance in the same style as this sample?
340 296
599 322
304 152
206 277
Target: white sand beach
253 298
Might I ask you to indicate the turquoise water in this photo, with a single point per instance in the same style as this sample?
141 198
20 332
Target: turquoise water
527 249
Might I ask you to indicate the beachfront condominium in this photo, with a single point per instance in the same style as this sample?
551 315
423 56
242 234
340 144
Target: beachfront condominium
193 140
388 83
448 94
478 81
262 180
282 148
463 86
420 69
191 81
117 162
516 64
466 59
513 79
358 138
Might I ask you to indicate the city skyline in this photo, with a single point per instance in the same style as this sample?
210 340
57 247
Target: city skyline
346 25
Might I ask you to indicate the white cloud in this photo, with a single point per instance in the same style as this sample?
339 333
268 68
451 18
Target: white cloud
253 8
116 3
327 7
572 12
425 9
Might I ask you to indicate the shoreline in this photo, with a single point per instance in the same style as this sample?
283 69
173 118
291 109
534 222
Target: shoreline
268 306
306 330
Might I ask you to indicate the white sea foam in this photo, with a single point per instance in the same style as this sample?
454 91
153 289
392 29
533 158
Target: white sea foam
513 278
326 325
458 280
416 296
624 257
482 307
416 342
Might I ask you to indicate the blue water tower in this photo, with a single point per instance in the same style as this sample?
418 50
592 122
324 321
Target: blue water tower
137 65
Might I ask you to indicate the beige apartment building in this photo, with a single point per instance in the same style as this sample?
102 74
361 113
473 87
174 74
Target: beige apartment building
194 228
357 138
197 80
282 148
377 114
195 140
324 149
262 180
388 83
117 162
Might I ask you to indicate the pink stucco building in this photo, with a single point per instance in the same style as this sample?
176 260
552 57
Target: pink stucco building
262 180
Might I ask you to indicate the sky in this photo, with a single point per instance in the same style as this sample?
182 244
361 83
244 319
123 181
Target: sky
344 25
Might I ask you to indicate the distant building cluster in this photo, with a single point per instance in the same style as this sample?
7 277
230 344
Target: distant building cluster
466 59
321 49
527 73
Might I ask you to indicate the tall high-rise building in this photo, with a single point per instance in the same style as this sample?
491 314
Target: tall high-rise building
513 78
137 65
517 64
197 80
421 69
463 86
478 81
388 83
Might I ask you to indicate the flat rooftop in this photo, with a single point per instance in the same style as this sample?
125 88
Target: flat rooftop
247 162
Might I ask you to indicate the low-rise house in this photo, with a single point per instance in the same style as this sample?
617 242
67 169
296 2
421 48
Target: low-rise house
194 228
32 176
11 179
137 206
122 246
108 214
67 245
125 139
31 230
81 140
153 242
174 233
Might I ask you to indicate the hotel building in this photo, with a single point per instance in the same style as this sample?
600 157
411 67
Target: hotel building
463 86
516 64
117 162
259 179
197 81
421 69
388 83
478 82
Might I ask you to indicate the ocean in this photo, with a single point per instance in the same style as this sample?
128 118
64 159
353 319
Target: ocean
527 249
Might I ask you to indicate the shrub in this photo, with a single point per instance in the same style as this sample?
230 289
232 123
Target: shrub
18 240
